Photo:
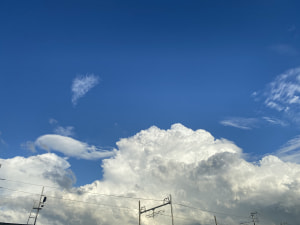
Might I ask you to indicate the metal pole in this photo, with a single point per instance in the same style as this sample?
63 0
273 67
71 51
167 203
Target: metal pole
39 206
216 220
30 213
171 209
139 212
253 219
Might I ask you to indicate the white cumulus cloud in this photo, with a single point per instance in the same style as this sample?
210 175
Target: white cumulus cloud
81 85
206 177
71 147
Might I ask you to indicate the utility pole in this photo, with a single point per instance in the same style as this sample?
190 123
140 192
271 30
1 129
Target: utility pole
166 201
171 209
139 212
254 217
37 209
216 220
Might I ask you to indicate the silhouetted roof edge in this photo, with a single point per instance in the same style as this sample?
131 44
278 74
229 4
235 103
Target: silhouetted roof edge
1 223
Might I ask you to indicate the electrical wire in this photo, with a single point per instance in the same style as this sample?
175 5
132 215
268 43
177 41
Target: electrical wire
71 200
110 195
19 191
87 192
210 211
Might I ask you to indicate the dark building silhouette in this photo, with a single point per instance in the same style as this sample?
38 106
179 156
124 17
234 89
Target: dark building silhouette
11 223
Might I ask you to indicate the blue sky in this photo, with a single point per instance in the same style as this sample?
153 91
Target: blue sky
157 63
228 67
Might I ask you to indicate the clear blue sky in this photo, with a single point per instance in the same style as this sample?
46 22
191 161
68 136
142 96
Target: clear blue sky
205 64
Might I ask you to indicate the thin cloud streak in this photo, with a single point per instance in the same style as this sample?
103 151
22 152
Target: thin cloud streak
241 123
81 85
2 140
251 123
275 121
290 151
285 49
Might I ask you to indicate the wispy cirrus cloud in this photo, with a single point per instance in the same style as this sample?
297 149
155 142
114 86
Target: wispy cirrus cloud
81 85
1 139
251 123
290 151
53 121
64 131
283 94
275 121
240 122
285 49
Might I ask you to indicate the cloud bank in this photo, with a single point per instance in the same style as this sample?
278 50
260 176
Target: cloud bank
81 85
206 177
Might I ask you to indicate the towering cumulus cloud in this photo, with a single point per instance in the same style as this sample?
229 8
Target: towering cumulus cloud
204 175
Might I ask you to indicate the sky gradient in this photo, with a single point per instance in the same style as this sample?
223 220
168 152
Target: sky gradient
115 97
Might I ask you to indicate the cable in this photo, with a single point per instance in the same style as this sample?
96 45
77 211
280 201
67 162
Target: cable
91 203
204 210
26 183
19 191
108 195
115 196
72 200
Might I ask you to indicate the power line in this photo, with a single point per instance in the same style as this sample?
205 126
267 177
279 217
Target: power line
180 217
93 193
210 211
91 203
22 182
19 191
113 195
72 200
